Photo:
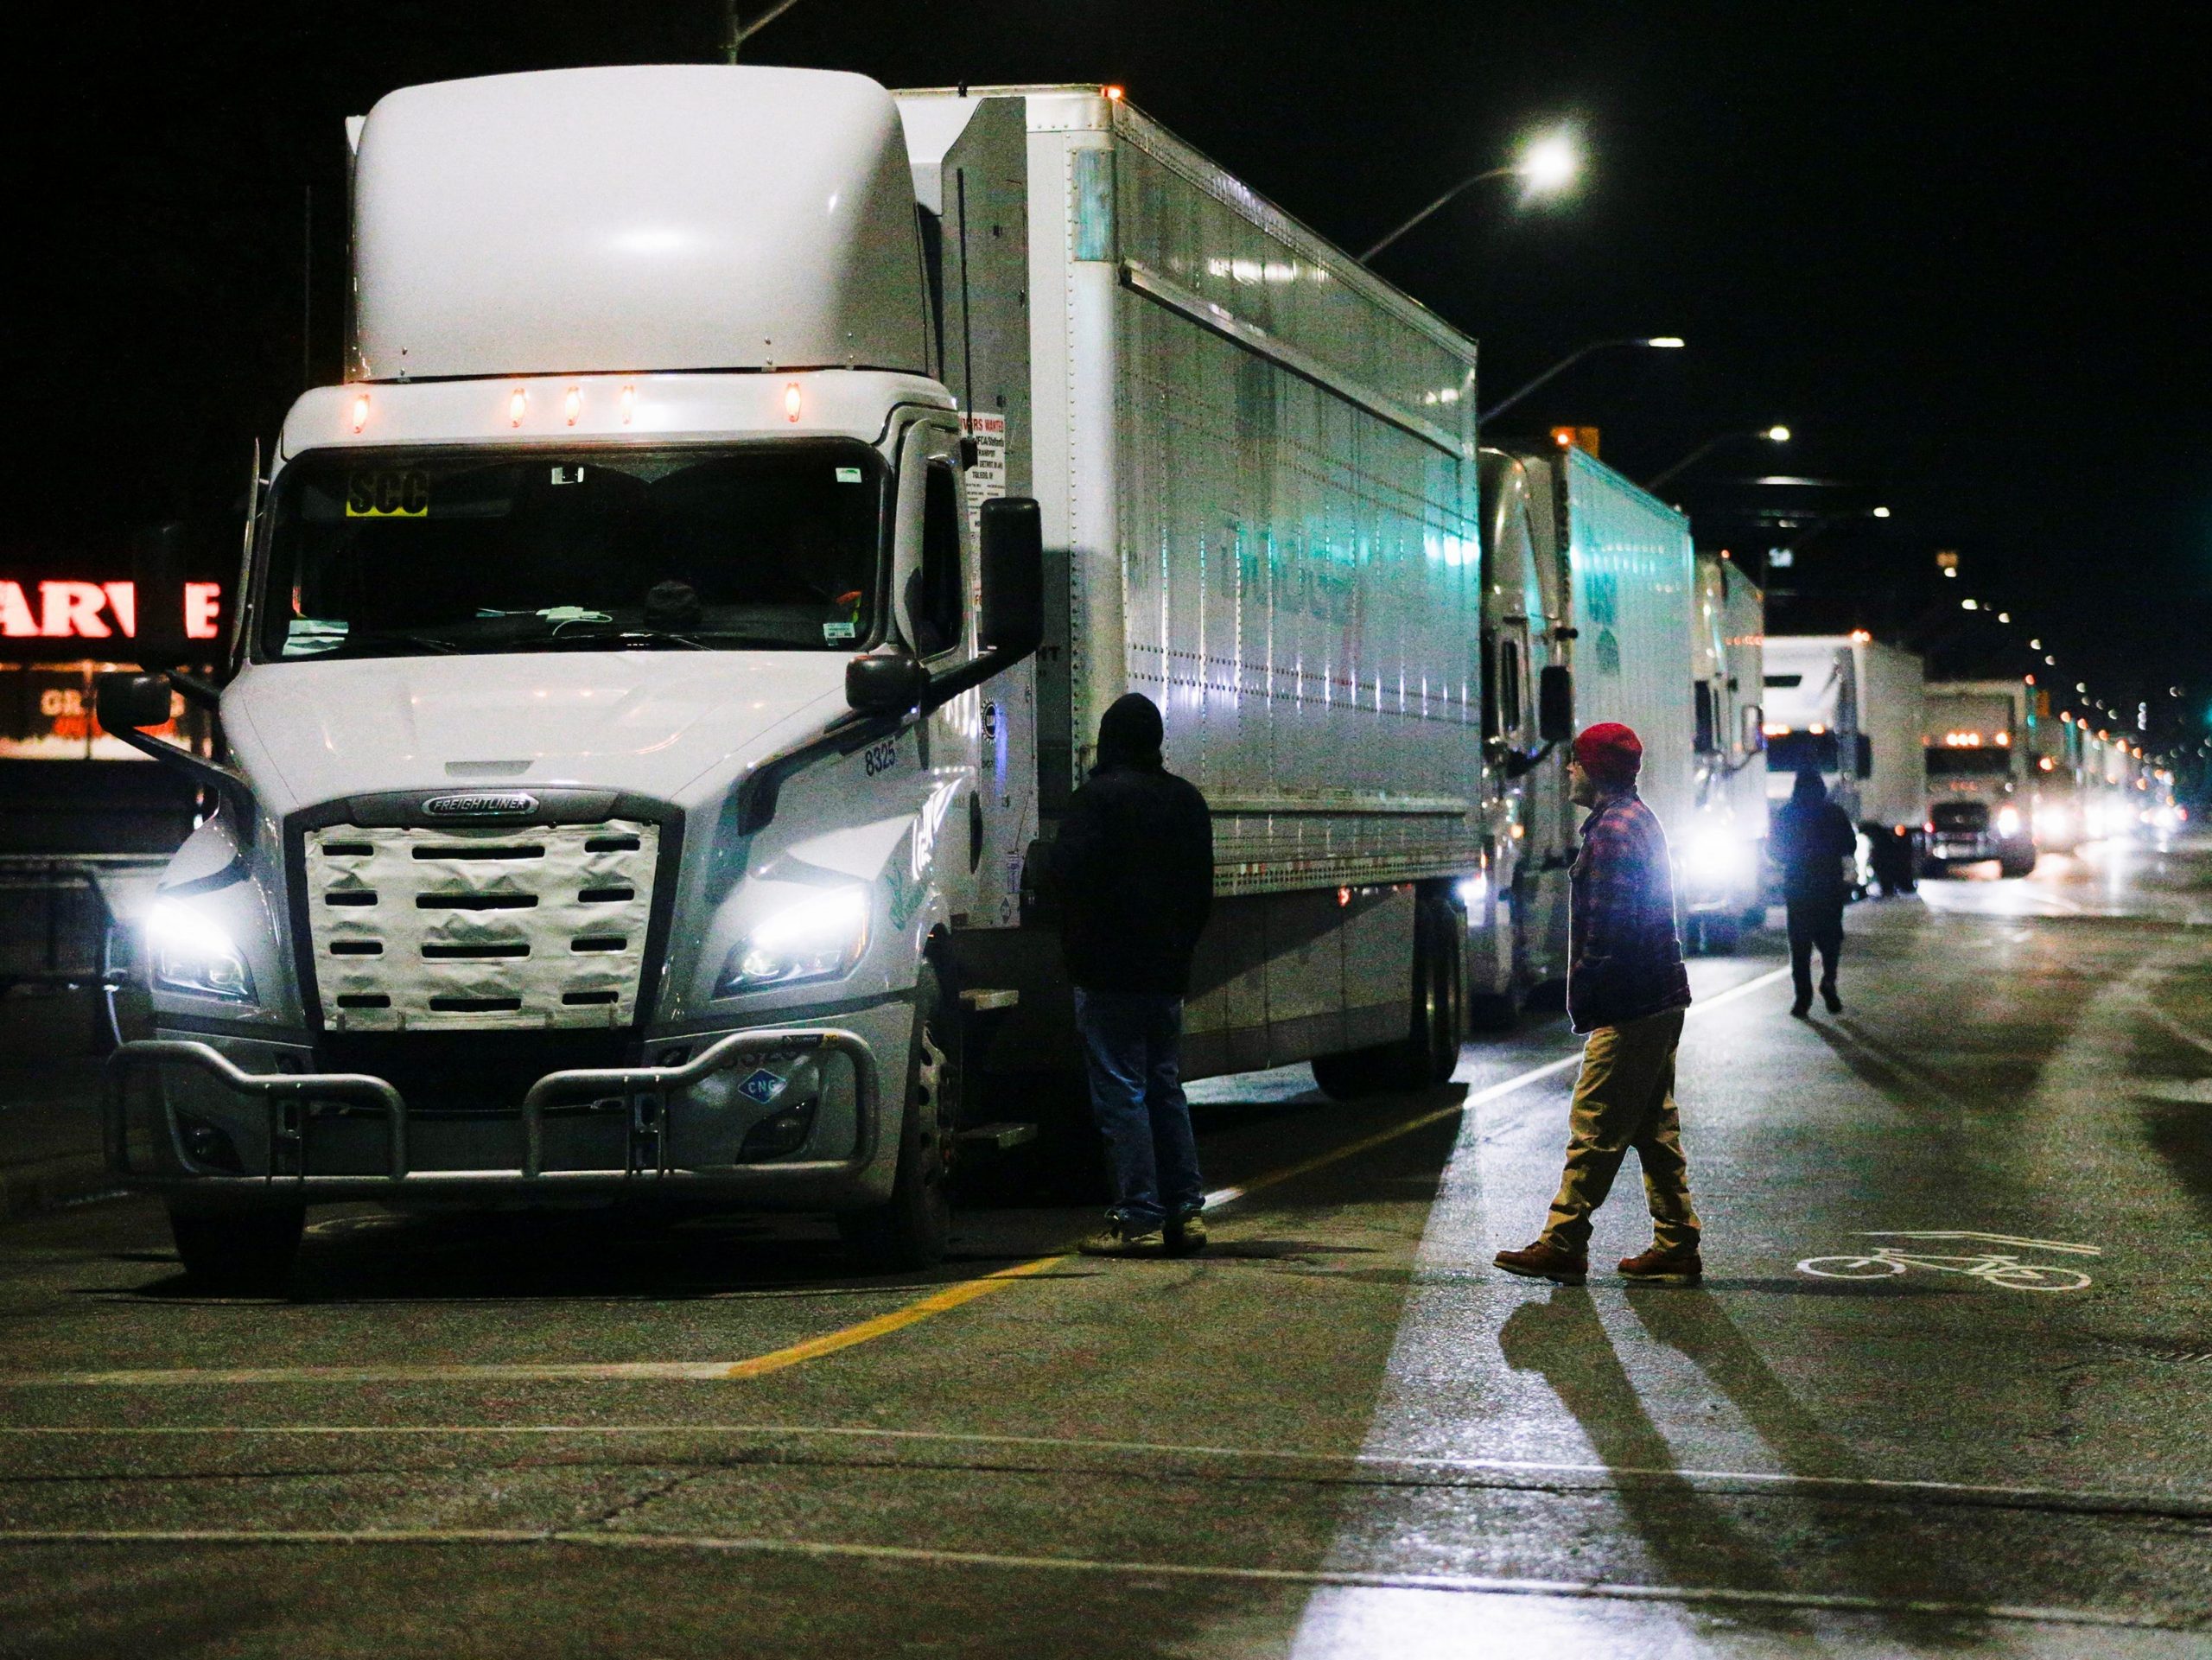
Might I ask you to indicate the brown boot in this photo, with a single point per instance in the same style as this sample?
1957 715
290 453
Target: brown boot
1543 1262
1657 1267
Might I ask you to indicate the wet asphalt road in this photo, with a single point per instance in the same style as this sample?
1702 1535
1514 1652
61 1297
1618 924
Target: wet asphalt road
1982 1425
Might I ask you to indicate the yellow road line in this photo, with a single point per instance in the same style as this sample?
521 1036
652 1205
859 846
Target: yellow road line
883 1325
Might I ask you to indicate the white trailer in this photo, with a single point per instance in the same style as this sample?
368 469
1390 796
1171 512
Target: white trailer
1850 709
570 851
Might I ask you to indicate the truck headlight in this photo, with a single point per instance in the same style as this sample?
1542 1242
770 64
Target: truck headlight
2008 821
817 938
191 953
1714 855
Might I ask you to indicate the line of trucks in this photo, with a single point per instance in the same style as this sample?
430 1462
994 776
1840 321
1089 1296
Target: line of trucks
660 668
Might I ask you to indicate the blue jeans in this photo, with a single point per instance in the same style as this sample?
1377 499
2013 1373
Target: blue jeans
1133 1043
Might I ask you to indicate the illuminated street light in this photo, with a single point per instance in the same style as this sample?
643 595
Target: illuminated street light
1548 165
1774 435
1660 342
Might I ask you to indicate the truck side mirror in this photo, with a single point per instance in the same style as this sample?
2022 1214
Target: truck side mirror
1864 765
1754 729
1555 703
1708 724
1013 576
124 699
889 682
158 576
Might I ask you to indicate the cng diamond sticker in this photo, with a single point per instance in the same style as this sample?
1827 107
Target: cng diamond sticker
762 1085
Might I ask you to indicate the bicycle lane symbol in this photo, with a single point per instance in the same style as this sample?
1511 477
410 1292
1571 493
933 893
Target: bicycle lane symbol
1998 1268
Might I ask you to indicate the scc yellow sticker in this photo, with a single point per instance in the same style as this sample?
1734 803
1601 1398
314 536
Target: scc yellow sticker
389 495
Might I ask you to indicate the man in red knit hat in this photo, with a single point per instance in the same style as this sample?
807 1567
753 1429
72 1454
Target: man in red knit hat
1626 989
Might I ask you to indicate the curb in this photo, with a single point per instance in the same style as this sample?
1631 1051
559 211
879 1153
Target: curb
51 1183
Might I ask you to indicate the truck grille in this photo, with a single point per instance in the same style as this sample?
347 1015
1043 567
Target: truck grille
473 928
1960 815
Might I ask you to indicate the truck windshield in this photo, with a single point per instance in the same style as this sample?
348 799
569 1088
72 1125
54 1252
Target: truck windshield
393 553
1803 752
1944 761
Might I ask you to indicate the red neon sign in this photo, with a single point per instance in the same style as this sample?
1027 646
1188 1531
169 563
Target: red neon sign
97 610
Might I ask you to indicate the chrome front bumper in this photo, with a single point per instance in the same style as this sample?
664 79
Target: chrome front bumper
289 1098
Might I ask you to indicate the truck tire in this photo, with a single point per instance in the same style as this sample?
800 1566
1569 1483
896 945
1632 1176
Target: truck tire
247 1251
1717 935
911 1229
1429 1052
2014 865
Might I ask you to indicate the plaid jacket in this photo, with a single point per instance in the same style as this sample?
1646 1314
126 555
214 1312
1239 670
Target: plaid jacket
1624 961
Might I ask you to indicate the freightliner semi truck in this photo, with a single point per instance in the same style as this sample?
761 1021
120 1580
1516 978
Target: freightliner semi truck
1981 747
661 661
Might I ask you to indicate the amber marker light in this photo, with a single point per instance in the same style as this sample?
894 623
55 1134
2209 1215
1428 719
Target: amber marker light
791 402
573 405
516 404
360 411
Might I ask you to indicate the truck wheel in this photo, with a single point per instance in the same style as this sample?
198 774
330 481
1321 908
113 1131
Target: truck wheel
911 1229
1717 936
249 1251
2014 865
1429 1052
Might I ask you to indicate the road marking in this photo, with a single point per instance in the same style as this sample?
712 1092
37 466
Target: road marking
1463 1584
1376 1469
1986 1238
866 1331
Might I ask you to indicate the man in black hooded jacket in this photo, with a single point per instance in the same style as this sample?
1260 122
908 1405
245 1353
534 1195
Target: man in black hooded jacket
1134 862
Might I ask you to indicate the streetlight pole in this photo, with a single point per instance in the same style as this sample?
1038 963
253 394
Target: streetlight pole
1467 183
1773 435
1549 163
1663 343
736 31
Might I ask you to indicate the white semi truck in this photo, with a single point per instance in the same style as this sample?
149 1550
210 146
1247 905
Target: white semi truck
1981 748
1850 709
1724 850
1593 582
642 715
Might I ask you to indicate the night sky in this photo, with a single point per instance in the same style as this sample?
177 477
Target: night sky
1955 249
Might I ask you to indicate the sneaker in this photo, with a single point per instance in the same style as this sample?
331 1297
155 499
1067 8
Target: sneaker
1657 1267
1543 1262
1186 1235
1119 1238
1828 996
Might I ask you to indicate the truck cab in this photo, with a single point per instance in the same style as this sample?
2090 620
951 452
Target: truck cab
1981 748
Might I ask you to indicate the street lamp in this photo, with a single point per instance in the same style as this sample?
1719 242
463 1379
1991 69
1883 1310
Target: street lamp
1548 165
1662 342
1775 435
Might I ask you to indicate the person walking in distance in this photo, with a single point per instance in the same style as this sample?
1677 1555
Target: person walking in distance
1134 863
1626 990
1817 849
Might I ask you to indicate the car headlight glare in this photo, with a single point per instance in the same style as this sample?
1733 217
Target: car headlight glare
2008 821
818 939
191 953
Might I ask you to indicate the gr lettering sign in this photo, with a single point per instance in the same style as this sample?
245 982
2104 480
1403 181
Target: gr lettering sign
70 610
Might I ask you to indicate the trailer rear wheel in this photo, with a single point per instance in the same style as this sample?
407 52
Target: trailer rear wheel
911 1229
250 1252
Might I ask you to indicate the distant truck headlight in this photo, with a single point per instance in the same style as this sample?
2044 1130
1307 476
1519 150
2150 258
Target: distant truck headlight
1715 855
2053 821
2008 821
817 938
191 953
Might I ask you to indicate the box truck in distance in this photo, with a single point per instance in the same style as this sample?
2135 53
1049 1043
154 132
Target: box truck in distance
659 659
1979 751
1849 707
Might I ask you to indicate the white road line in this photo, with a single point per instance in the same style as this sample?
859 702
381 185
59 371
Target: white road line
1378 1465
840 1550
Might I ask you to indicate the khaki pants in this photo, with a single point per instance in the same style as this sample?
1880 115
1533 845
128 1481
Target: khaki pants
1625 1098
